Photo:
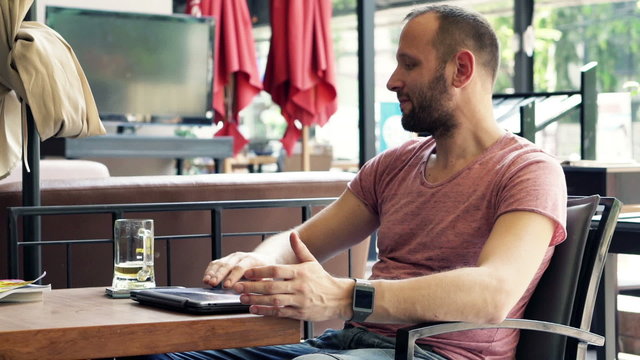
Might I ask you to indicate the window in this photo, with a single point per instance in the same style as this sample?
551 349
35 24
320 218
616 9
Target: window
570 34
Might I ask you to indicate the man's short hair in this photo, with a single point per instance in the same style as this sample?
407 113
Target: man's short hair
460 28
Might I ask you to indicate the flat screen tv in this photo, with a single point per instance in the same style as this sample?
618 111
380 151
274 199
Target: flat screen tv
142 67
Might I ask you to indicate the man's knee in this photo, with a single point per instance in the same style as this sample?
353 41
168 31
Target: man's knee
317 357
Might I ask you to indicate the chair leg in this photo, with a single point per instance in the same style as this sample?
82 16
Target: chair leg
581 354
609 309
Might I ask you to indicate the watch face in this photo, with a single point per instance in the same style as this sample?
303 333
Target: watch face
363 300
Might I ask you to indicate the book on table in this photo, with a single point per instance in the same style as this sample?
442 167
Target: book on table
18 290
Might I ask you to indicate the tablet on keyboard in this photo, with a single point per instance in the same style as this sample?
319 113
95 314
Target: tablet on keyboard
191 300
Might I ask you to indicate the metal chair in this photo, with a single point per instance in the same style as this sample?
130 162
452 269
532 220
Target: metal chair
564 299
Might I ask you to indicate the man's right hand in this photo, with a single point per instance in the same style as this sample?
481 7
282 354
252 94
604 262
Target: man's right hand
337 227
229 269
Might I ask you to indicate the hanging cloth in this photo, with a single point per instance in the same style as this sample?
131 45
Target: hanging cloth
38 68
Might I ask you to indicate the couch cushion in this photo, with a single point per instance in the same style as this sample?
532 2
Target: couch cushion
51 169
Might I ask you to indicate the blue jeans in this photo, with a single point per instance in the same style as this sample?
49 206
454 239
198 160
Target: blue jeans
346 344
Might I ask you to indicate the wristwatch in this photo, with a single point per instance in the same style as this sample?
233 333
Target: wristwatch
363 296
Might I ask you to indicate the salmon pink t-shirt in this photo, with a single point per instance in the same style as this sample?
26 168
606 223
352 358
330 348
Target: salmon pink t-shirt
428 228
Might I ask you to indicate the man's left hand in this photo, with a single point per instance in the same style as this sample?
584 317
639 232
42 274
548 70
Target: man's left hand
302 291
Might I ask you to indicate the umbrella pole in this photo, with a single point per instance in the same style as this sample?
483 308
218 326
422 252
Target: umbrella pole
230 91
229 95
306 161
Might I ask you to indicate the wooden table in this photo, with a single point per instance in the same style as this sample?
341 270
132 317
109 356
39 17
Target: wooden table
83 323
251 163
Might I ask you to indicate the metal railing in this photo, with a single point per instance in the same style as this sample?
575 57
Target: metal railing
118 211
32 259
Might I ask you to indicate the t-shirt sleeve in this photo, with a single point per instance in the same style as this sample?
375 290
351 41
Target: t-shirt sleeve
537 184
363 184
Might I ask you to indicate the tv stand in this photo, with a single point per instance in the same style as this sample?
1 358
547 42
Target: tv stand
138 146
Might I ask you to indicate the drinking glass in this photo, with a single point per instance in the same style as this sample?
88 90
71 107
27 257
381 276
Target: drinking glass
133 254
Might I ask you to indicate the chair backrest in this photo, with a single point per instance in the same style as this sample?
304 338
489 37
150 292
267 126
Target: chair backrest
566 292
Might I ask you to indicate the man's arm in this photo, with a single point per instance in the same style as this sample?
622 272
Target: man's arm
342 224
483 293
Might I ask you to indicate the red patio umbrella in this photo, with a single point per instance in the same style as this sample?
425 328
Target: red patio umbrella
235 66
300 73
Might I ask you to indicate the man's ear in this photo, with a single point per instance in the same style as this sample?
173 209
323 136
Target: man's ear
465 64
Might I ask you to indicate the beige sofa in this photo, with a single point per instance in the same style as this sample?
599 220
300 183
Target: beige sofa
52 169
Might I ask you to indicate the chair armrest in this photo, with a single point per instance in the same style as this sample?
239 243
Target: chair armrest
407 336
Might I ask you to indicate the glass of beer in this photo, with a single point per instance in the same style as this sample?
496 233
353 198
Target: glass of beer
133 254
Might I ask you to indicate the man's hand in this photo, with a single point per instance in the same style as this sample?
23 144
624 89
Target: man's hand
229 269
302 291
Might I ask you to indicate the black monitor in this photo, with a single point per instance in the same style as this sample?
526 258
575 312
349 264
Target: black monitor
142 67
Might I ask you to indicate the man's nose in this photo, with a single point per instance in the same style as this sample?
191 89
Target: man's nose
393 84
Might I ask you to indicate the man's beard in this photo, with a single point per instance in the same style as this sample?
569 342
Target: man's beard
430 111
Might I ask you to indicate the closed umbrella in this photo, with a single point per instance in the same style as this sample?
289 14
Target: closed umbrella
300 73
235 66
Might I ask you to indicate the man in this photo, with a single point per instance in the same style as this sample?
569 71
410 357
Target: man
467 219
